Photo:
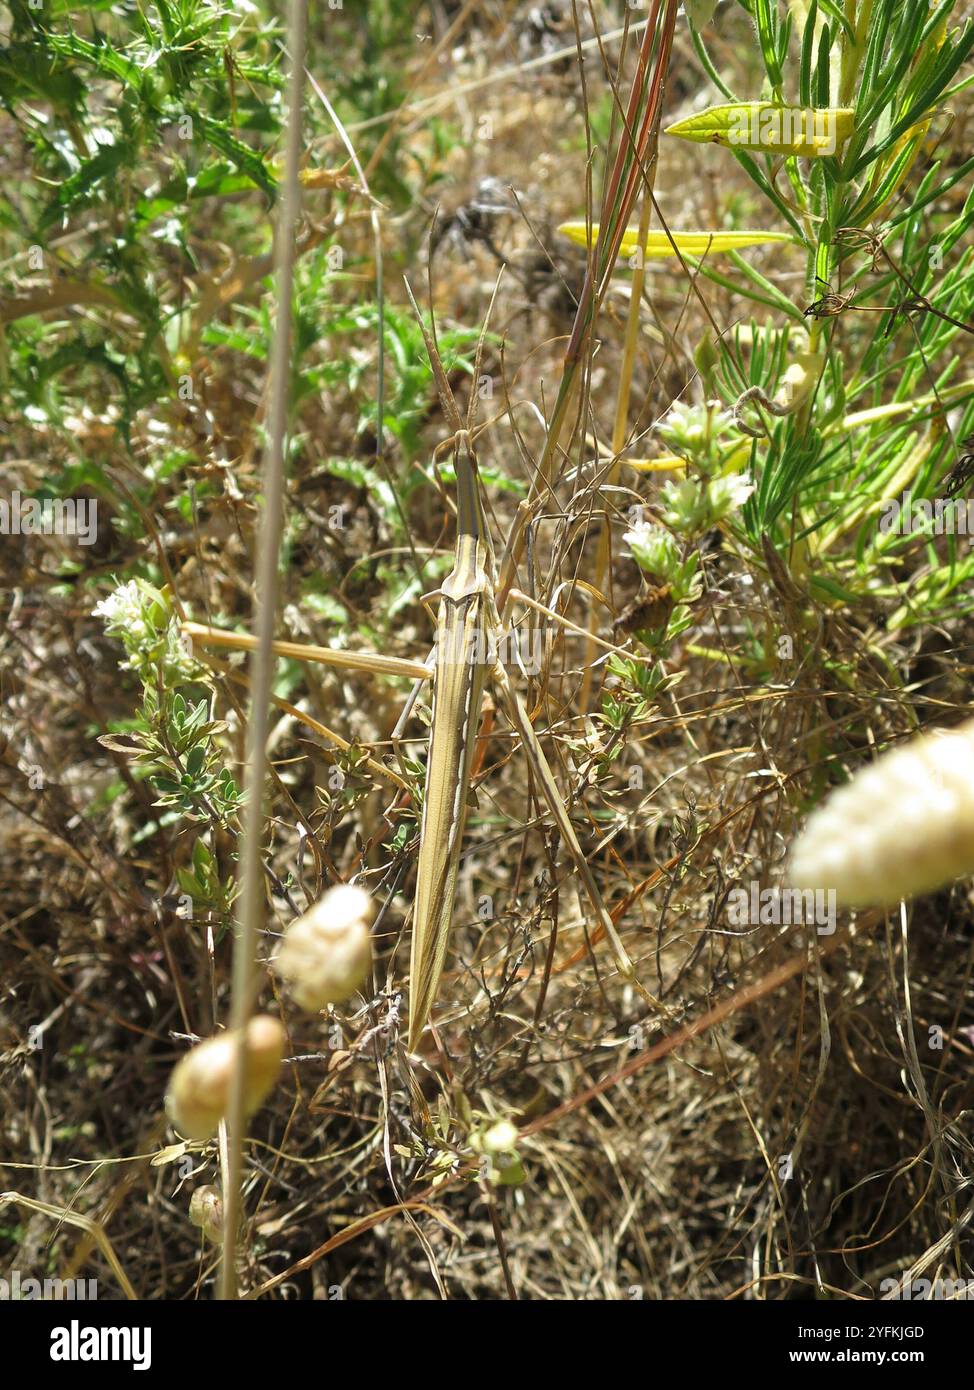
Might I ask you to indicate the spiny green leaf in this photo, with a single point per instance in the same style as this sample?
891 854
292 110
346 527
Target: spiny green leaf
100 56
74 189
28 73
241 155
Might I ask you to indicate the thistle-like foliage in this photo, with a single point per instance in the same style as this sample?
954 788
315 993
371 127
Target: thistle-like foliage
900 827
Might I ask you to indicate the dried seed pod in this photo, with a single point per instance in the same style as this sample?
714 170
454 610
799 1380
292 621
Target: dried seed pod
904 825
206 1211
326 955
199 1088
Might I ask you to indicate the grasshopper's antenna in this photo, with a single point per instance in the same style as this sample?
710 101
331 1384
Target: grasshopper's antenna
472 403
443 388
447 399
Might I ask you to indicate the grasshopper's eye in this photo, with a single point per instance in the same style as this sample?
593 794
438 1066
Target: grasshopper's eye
903 826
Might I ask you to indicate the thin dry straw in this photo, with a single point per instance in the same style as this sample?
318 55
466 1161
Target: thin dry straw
252 897
741 999
641 118
94 1230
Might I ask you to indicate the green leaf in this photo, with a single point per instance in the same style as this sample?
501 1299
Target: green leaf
823 70
769 126
202 859
835 12
805 62
700 12
240 155
766 19
195 760
188 883
108 159
658 245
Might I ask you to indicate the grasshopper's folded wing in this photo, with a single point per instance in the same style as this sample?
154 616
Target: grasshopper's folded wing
458 685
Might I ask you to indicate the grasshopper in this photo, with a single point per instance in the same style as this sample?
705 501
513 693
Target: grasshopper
469 627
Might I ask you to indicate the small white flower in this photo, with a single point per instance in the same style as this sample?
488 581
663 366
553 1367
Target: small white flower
694 427
500 1138
653 549
122 607
727 494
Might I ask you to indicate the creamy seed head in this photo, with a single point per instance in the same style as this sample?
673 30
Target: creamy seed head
199 1088
326 955
904 825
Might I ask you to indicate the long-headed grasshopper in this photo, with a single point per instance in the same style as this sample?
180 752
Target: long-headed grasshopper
468 637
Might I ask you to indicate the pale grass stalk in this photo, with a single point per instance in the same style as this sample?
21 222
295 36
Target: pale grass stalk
373 662
252 896
92 1228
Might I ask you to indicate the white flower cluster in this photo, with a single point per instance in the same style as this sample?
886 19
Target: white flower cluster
124 611
653 549
691 428
144 621
691 507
